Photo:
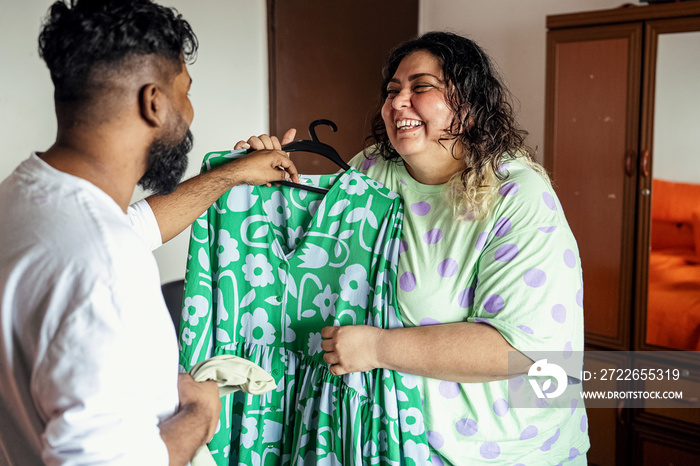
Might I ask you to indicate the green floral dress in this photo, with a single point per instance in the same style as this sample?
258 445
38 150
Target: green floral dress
268 268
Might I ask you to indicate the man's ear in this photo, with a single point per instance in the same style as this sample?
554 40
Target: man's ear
152 104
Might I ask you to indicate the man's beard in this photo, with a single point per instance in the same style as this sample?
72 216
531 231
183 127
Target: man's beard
167 162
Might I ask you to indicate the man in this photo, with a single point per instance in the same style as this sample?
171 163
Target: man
88 354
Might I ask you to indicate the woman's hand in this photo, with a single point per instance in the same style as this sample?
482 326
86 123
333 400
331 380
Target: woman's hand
462 352
351 348
264 141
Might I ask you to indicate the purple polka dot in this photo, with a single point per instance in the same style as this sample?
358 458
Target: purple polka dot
535 278
509 189
403 182
547 229
574 403
433 236
568 350
506 252
501 407
503 167
447 268
368 163
466 298
516 383
436 460
407 281
490 450
528 433
526 329
482 321
403 247
559 313
448 389
549 201
541 403
493 303
467 427
547 445
502 227
420 208
429 321
435 439
569 258
584 423
481 241
579 297
573 453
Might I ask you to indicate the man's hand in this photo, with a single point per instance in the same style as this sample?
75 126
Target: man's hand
264 167
351 348
255 167
203 399
268 164
195 421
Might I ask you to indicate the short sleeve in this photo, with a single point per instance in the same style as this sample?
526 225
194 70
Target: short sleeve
529 282
144 223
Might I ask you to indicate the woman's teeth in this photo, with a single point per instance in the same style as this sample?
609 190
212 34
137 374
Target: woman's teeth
408 124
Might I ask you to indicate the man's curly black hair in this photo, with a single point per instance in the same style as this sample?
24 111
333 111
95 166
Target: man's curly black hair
79 36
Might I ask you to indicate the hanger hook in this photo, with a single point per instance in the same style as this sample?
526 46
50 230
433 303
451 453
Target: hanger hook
315 123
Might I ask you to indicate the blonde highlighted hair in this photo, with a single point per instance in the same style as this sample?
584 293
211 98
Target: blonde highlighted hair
473 193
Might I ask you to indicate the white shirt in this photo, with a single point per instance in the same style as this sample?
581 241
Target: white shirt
88 352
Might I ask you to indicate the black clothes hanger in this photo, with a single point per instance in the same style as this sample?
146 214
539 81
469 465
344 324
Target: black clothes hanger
317 147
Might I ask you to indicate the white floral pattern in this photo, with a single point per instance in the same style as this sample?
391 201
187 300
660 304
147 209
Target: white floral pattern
260 330
354 285
277 209
199 304
227 251
354 184
258 271
326 302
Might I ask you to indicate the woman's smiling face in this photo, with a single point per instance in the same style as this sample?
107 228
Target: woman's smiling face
417 115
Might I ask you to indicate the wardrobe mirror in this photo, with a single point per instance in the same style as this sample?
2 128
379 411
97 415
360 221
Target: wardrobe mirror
673 300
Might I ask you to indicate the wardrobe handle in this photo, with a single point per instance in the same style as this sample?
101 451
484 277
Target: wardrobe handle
628 163
645 163
620 407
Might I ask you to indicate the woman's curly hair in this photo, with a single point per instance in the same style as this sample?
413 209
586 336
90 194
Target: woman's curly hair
483 122
79 36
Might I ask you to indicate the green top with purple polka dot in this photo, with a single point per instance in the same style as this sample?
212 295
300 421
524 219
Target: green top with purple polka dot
517 270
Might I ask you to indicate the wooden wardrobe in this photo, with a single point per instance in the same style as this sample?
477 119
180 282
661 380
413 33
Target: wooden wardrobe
622 139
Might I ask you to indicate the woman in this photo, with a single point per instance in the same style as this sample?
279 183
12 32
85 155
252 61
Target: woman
489 266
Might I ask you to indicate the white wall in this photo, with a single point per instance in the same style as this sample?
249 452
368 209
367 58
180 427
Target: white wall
229 90
514 33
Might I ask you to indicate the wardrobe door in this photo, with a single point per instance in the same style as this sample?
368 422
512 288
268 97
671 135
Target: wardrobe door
668 292
325 61
592 133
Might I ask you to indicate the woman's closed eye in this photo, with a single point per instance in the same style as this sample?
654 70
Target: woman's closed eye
422 87
418 88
